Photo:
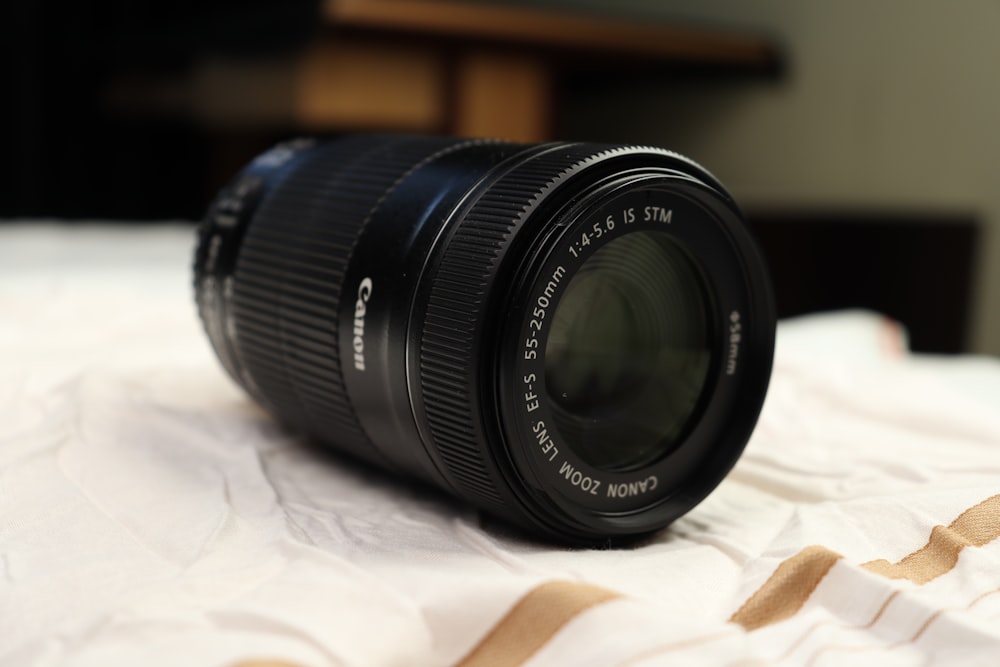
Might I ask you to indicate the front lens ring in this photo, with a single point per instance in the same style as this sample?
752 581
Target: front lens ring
618 501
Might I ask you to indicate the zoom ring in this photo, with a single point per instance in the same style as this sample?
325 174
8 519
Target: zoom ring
287 282
458 313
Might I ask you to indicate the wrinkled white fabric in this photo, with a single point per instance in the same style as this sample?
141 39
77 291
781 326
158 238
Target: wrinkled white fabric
151 514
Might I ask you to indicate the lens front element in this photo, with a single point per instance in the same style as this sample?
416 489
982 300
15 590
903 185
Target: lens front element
628 354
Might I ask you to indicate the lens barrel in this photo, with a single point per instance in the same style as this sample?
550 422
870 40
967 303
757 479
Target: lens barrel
576 337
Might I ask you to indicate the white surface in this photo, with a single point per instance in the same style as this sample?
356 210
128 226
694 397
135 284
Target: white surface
151 514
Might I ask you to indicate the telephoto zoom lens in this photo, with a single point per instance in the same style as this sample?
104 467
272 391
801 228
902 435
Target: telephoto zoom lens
575 337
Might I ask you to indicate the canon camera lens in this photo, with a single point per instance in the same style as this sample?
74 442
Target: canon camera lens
576 337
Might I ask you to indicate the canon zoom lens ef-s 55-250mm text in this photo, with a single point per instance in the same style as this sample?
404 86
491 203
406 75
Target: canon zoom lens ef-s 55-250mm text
576 337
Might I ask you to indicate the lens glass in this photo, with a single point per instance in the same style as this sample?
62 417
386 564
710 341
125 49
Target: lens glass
629 351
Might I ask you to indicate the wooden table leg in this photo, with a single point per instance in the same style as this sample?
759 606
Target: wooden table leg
502 96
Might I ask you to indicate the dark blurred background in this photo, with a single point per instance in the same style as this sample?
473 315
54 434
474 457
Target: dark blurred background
859 139
83 143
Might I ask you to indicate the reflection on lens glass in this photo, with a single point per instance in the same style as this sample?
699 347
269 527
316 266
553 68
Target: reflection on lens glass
628 354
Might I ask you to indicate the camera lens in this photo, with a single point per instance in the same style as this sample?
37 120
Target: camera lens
628 354
575 337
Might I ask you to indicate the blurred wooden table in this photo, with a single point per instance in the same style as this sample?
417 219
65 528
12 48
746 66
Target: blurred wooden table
437 66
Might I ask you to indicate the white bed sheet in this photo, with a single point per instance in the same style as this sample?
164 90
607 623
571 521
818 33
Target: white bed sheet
150 514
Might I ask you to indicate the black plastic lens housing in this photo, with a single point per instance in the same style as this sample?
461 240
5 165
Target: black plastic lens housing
576 337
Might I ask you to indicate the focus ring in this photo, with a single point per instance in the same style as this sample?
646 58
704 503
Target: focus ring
288 280
457 309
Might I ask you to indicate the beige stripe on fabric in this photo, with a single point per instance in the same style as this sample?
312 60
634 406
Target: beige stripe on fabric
787 590
784 593
544 610
974 527
533 621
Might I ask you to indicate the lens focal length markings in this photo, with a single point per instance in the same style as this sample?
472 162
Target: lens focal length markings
587 233
540 312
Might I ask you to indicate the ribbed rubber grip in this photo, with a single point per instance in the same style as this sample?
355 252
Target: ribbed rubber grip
456 312
288 279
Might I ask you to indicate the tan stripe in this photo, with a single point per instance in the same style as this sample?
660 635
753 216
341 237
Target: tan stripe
796 578
540 614
974 527
760 662
787 590
533 621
